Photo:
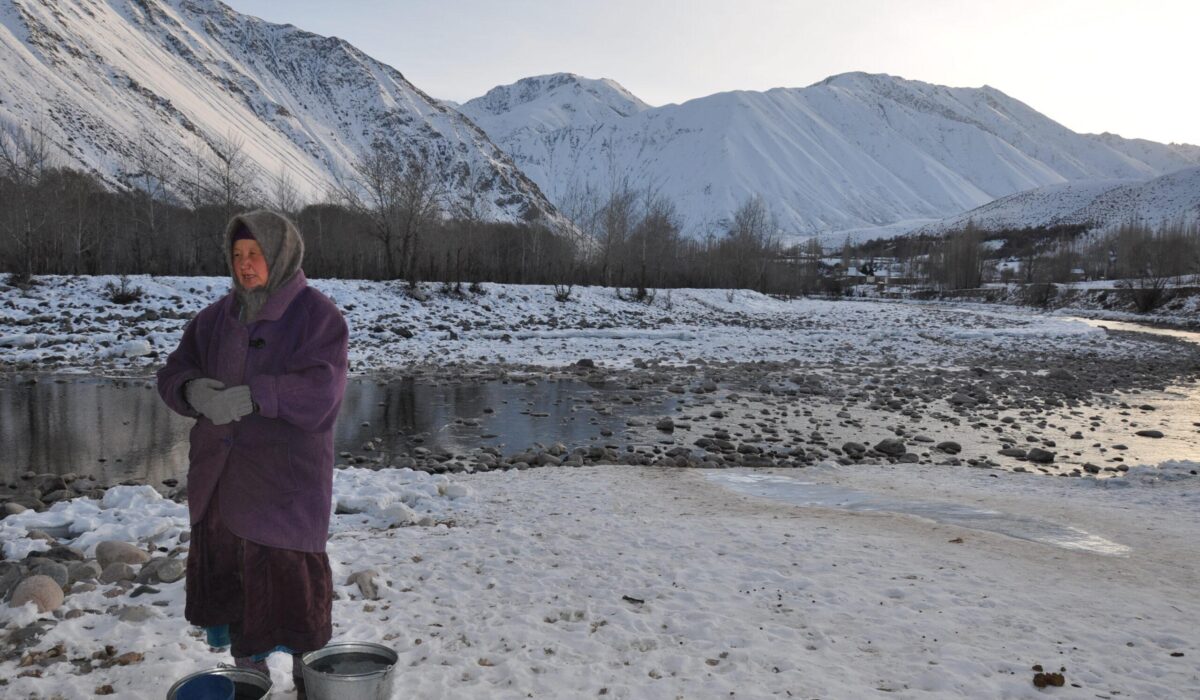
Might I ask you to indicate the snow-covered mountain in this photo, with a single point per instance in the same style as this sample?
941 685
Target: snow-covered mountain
1174 197
550 102
853 151
106 78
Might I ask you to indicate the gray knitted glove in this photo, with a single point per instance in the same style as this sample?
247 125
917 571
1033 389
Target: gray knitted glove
230 405
200 391
211 399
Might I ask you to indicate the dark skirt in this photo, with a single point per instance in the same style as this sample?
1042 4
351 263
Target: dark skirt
267 596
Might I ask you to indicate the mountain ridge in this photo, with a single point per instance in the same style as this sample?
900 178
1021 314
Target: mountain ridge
1170 198
184 77
853 150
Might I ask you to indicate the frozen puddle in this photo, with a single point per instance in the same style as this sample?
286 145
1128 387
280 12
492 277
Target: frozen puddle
807 493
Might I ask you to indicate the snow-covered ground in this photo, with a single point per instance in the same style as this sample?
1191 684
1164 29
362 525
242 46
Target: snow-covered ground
1102 299
67 323
656 583
649 582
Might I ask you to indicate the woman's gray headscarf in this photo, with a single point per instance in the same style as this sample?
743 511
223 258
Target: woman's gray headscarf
282 247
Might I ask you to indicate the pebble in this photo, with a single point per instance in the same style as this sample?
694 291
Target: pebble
11 574
53 569
143 590
135 613
49 483
148 573
171 570
1040 456
117 571
113 551
63 553
42 590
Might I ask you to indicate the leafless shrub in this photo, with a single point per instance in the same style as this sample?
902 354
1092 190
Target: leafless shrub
1146 294
1039 294
22 280
123 293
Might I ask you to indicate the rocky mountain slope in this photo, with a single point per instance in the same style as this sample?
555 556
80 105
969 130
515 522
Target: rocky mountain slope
114 81
1174 197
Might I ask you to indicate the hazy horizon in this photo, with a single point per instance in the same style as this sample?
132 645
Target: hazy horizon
1114 66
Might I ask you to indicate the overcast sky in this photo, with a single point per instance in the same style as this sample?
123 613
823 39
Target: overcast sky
1126 66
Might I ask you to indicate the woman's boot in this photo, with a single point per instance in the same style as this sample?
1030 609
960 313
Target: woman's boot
298 676
250 663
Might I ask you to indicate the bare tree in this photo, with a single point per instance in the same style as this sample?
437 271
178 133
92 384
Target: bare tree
958 262
751 242
616 222
374 192
285 197
421 195
218 183
152 176
25 162
230 173
82 223
401 196
1149 260
654 241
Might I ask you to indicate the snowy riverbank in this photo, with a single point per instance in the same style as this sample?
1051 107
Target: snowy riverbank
1103 299
633 582
636 581
67 323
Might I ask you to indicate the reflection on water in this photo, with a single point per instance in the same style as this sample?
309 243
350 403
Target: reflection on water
110 429
1189 336
807 493
119 429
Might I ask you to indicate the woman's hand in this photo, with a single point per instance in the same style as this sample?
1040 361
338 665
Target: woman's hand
211 399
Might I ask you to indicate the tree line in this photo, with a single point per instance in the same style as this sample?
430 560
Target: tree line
392 218
1141 253
169 219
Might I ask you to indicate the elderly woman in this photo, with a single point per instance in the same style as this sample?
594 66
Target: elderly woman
263 371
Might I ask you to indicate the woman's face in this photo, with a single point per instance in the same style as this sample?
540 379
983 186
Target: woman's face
249 264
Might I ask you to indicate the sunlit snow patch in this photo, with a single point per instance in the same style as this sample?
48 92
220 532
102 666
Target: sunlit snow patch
805 493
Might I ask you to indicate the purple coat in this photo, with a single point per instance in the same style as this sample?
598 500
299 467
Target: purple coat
271 470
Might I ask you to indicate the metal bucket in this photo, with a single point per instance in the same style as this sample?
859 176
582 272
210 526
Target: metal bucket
248 684
349 671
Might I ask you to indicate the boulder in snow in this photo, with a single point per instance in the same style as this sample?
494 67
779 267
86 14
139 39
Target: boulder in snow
41 590
113 551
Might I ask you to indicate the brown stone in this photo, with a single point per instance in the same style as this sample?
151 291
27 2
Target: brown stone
42 590
113 551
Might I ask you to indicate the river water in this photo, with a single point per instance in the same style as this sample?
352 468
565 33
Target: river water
117 430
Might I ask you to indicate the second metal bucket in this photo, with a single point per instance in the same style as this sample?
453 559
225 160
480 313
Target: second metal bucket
349 671
247 683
